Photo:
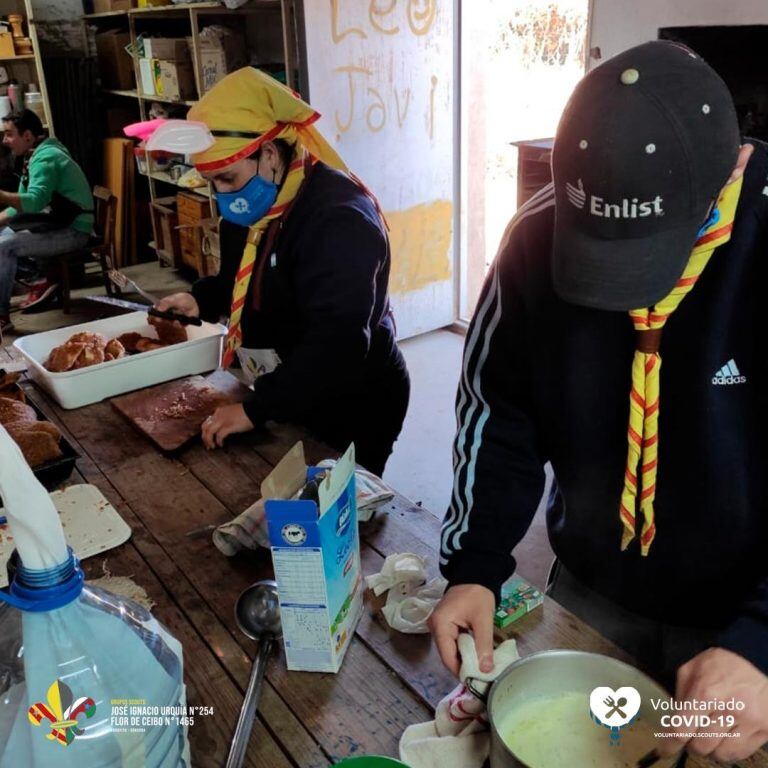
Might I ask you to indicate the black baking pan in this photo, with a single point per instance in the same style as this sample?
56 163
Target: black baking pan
53 473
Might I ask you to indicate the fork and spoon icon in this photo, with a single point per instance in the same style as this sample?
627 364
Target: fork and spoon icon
614 707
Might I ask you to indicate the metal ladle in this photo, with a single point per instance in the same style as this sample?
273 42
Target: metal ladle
257 613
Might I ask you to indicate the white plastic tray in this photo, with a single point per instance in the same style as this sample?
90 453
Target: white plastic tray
91 525
73 389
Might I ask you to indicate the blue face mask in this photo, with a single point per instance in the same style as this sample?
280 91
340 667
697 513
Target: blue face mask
249 203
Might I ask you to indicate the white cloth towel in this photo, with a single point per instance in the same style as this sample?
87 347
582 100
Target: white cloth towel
458 736
249 529
410 601
370 491
405 568
408 607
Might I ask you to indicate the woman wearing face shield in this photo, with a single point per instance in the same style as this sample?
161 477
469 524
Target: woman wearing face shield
304 271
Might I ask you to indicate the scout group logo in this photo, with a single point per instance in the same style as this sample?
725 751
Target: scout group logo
60 713
614 710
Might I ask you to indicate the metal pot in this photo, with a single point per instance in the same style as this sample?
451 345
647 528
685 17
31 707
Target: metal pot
552 673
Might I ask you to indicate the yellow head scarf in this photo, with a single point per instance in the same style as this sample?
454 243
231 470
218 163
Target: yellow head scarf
251 101
259 108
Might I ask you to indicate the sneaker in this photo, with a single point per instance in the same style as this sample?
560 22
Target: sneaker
40 297
27 285
22 289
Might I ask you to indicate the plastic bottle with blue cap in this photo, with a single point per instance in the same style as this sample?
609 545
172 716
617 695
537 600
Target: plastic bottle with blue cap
75 659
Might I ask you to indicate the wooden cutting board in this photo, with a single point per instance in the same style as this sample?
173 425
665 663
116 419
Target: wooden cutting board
170 414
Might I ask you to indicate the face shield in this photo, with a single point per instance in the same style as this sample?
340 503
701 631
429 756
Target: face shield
181 137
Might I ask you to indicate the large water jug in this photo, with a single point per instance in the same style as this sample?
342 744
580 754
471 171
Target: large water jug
87 679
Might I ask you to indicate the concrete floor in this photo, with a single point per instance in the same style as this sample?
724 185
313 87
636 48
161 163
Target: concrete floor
149 276
421 464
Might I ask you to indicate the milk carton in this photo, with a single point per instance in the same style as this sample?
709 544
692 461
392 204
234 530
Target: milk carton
316 556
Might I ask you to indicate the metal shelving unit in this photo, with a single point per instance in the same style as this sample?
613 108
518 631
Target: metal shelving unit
28 68
193 15
166 179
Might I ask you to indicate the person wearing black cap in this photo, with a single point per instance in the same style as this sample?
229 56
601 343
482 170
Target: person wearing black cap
650 244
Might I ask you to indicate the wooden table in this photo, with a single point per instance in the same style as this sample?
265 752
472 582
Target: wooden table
387 681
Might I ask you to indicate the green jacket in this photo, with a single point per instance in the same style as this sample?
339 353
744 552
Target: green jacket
51 169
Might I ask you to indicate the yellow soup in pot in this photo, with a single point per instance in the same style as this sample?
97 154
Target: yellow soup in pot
553 732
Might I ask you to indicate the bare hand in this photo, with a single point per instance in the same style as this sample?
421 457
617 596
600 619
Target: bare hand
745 152
720 675
227 420
464 607
181 303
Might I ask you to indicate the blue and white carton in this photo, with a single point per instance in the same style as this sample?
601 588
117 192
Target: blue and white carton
316 556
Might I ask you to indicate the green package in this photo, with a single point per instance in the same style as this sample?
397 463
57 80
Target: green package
518 597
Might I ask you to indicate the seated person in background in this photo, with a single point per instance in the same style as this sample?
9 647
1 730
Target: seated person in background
50 215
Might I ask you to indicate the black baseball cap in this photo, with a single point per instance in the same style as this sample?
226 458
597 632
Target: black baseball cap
645 144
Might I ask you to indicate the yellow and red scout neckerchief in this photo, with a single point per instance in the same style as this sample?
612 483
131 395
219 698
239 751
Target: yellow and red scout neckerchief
643 433
242 111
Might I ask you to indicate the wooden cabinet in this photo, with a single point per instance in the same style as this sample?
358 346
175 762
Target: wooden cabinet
534 169
191 210
165 223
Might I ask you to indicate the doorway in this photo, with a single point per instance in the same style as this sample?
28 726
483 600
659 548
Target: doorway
520 60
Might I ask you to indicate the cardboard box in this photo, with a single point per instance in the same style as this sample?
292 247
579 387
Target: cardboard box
173 79
219 56
7 48
518 598
147 73
115 64
107 6
316 556
167 48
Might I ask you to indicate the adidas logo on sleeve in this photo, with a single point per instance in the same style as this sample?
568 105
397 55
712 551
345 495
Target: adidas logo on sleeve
729 374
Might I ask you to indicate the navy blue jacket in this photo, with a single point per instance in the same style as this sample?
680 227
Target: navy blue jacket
324 308
547 381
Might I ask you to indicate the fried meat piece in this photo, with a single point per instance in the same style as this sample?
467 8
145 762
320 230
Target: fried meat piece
63 357
114 350
39 441
12 411
148 345
95 340
129 341
168 331
91 355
